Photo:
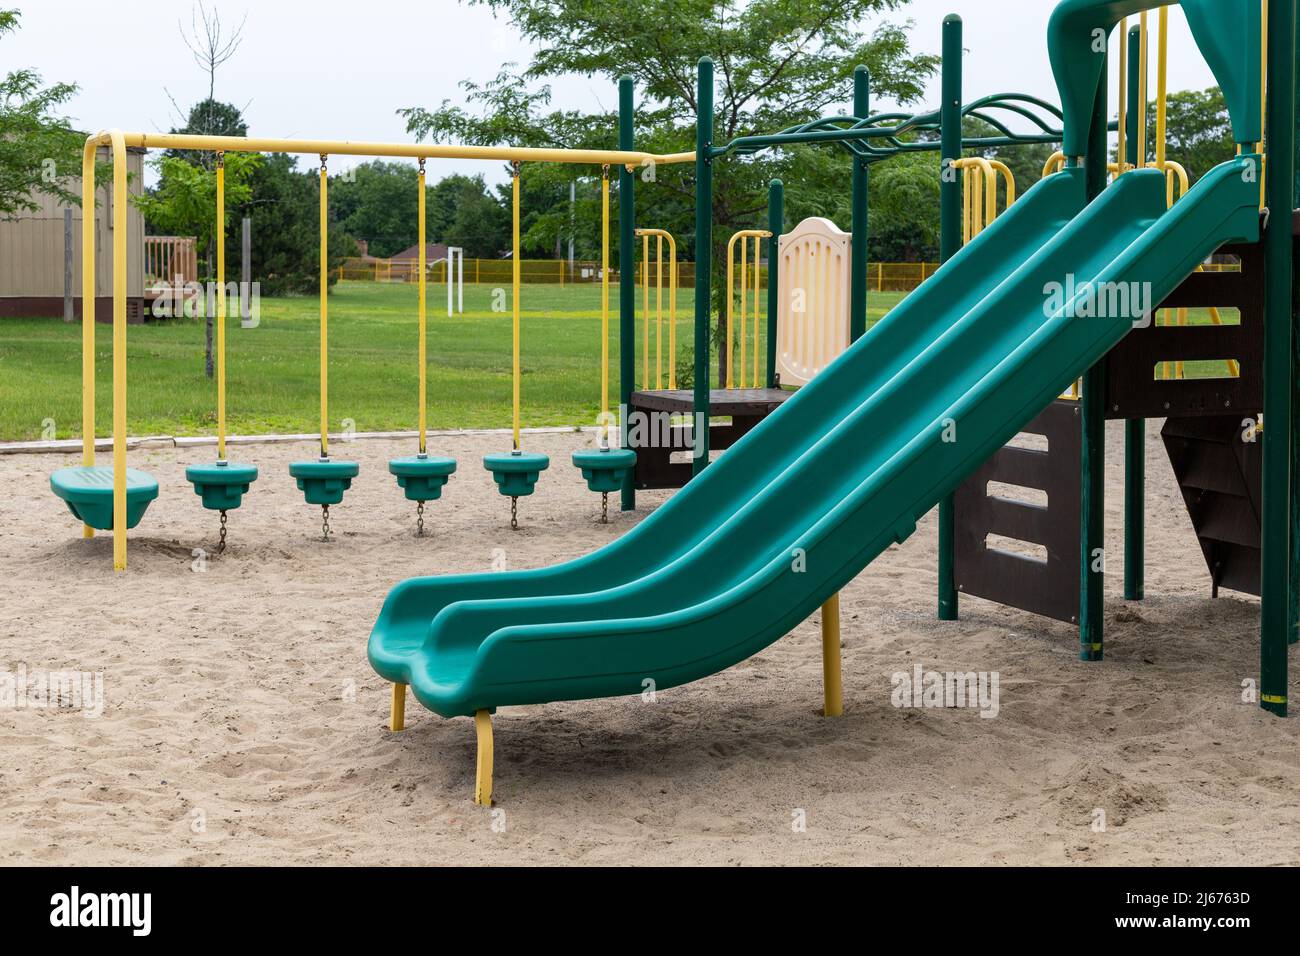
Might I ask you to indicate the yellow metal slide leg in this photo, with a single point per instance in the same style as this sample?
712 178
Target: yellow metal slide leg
833 689
483 777
397 717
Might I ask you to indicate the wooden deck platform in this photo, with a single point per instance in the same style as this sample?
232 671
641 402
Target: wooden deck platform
655 438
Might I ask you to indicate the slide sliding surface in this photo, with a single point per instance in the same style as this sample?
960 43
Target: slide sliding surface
799 507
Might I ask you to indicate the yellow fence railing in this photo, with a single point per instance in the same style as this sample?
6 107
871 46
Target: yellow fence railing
881 276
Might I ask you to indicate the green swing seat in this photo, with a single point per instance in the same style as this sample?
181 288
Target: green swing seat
605 468
323 480
88 492
422 477
222 485
516 472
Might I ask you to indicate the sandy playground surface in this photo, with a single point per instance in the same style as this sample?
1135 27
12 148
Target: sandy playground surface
242 723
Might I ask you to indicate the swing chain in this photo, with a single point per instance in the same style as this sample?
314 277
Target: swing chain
419 519
221 160
325 520
604 507
515 166
221 541
324 166
514 513
421 164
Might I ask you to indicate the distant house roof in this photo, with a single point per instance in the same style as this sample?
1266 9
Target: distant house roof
432 251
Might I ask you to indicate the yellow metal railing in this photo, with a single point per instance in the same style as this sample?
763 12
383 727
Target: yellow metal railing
1176 176
745 238
660 236
980 192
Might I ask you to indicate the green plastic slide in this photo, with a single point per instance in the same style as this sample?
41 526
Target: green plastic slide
799 506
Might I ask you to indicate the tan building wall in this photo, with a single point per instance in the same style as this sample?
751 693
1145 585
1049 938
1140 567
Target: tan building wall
31 250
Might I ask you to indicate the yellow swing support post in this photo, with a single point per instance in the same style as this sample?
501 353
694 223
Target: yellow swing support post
606 469
604 305
422 291
88 154
515 280
758 283
324 307
120 208
516 473
221 306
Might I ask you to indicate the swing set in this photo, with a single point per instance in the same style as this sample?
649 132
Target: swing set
115 498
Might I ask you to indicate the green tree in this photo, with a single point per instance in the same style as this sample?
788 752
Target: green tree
1199 131
39 150
284 206
209 118
481 225
904 209
185 200
440 211
377 201
779 62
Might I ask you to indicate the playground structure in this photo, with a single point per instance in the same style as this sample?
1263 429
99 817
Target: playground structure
847 465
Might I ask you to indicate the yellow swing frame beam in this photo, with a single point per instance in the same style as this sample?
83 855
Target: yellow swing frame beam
118 142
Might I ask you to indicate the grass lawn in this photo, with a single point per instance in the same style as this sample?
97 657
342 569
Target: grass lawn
272 371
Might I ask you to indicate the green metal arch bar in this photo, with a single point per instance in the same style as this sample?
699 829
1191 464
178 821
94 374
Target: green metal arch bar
855 133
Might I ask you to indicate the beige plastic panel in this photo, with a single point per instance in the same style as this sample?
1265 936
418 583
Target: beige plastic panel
812 325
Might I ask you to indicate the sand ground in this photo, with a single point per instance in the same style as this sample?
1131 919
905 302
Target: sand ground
242 724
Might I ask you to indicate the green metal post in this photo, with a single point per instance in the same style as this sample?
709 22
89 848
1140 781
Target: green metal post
1276 600
626 276
1092 511
1135 429
858 251
775 225
949 246
703 261
1293 592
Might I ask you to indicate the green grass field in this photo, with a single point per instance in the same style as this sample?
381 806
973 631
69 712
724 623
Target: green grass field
272 370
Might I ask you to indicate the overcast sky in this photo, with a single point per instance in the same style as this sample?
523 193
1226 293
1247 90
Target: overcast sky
339 70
